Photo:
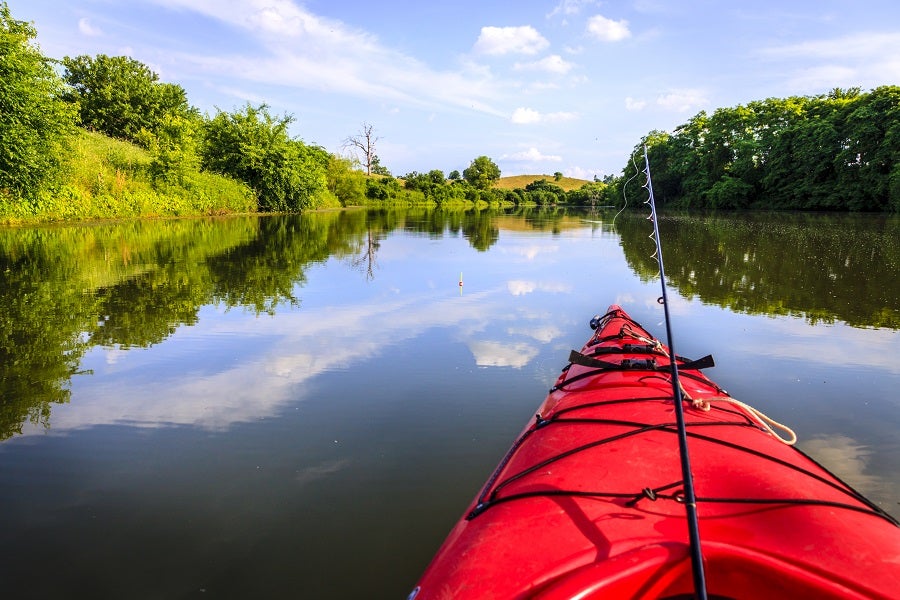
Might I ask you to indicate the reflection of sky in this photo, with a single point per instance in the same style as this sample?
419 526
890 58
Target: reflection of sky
236 367
525 302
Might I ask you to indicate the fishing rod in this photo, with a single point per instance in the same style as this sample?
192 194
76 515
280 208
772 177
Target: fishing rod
690 498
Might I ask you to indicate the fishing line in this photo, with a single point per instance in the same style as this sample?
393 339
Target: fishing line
624 187
690 498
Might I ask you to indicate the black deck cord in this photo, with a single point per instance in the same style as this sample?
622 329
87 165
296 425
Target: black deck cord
690 497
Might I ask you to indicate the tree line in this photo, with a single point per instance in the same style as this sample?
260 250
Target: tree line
835 151
832 152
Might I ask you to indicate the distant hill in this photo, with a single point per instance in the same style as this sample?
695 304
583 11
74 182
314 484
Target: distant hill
520 181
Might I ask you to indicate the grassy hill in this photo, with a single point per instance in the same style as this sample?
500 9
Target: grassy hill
520 181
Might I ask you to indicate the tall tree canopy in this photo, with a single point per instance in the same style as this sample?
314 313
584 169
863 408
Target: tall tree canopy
836 151
34 120
482 173
254 147
122 97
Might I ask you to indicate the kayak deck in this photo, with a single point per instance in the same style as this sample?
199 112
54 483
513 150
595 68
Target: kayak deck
589 500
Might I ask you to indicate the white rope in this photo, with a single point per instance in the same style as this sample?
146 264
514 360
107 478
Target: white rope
766 422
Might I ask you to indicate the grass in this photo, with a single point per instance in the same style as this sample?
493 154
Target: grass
520 181
106 178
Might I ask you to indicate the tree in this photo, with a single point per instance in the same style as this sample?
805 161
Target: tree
378 168
35 122
482 173
120 96
454 175
254 147
174 148
364 142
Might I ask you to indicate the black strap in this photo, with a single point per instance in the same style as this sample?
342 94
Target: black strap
648 364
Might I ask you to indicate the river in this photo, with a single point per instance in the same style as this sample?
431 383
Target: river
303 405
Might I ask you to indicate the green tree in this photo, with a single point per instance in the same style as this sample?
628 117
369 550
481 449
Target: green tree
121 96
35 122
254 147
482 173
378 168
174 148
345 182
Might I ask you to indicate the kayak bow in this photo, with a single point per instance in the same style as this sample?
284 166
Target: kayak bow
588 501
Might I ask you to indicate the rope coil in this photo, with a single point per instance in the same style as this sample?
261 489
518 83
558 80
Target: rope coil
766 422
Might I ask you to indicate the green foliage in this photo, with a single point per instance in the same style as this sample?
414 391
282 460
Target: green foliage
378 168
824 267
543 192
174 148
121 96
107 178
482 173
829 152
254 147
345 182
34 122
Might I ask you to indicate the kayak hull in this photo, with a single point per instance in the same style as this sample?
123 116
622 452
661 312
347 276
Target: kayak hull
589 501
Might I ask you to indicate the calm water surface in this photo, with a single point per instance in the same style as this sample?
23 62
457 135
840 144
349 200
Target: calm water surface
302 406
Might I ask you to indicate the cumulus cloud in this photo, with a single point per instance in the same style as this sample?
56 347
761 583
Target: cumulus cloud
510 40
634 104
577 172
497 354
87 28
532 155
682 100
527 116
551 64
608 30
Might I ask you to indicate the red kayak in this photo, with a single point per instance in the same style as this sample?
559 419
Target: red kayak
589 500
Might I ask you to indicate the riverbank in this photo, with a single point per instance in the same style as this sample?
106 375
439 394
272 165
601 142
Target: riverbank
105 178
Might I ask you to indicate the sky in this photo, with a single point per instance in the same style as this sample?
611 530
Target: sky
540 87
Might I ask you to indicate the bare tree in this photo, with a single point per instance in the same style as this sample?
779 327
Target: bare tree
364 142
366 260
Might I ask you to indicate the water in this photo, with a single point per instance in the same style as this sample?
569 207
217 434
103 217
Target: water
302 406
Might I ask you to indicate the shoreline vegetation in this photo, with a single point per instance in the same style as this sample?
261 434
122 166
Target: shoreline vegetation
88 138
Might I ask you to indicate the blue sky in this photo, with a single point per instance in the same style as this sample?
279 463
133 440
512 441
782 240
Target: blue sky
538 86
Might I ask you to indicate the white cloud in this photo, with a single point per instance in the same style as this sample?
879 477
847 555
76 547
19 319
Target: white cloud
532 155
305 51
527 116
520 287
847 458
551 64
541 333
608 30
86 28
682 100
862 45
634 105
529 252
568 8
496 354
864 59
577 172
510 40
